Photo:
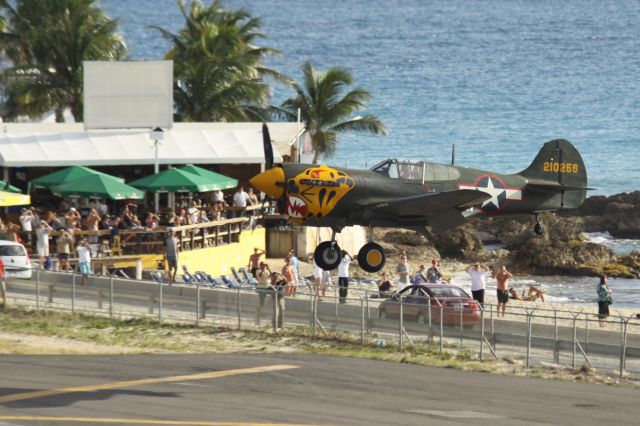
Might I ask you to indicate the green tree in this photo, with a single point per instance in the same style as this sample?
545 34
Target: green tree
218 69
47 42
326 112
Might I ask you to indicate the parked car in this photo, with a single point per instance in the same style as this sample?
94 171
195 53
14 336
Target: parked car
455 302
16 260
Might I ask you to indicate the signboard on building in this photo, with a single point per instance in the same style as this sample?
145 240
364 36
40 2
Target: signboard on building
128 94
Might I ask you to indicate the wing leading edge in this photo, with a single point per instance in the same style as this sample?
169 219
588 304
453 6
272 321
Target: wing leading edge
441 210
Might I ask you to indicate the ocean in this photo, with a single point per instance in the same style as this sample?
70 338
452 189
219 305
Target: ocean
497 78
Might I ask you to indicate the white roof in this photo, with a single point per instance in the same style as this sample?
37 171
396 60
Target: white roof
67 144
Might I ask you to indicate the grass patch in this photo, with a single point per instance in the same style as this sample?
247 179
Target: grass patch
143 335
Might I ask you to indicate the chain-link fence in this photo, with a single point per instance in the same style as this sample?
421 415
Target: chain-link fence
536 334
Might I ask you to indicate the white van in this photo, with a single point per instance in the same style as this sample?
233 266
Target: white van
16 260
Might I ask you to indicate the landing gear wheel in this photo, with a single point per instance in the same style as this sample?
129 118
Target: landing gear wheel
538 229
327 255
371 257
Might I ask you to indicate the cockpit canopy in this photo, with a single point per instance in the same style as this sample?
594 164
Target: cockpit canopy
416 171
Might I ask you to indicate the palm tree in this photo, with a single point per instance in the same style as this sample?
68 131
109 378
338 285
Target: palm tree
326 112
218 69
47 42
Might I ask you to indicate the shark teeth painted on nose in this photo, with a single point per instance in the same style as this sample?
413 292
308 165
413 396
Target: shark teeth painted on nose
296 208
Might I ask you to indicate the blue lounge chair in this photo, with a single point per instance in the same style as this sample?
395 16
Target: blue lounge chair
200 278
247 278
186 276
236 276
228 282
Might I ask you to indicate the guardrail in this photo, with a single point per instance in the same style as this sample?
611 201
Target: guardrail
534 334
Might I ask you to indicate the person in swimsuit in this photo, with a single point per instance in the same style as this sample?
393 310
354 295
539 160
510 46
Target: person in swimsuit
502 277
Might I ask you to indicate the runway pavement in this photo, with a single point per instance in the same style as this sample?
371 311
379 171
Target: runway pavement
289 389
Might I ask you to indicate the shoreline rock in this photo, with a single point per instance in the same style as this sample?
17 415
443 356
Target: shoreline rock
561 250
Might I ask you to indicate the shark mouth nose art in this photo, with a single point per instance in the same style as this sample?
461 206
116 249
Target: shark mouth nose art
296 208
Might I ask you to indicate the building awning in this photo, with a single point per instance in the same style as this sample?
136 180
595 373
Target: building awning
66 144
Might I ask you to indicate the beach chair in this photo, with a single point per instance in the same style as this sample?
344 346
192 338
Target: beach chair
236 276
200 277
186 276
157 277
227 282
247 278
213 281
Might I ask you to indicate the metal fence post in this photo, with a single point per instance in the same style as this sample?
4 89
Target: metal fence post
556 344
198 303
335 323
529 317
461 324
315 315
441 330
111 296
311 308
100 295
401 325
481 333
160 301
239 310
361 321
37 290
73 292
623 345
276 293
430 323
368 316
573 356
586 333
493 336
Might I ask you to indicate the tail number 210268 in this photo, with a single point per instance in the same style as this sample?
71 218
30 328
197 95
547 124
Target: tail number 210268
554 166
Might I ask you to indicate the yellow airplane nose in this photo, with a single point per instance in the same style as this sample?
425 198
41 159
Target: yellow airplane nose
268 181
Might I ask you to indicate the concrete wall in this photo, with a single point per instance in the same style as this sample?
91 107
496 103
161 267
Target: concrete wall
213 260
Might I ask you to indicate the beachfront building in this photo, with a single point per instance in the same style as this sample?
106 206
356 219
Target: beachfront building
31 150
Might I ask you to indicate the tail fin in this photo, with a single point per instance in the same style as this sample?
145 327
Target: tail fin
558 169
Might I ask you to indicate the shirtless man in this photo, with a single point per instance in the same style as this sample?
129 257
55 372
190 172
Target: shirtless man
289 276
254 261
502 277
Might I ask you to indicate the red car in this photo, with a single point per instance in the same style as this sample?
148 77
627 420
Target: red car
455 303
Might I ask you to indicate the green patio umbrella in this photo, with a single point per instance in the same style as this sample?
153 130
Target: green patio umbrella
98 185
174 180
221 181
66 175
7 187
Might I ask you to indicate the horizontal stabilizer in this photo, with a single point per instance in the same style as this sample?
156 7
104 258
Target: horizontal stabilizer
551 186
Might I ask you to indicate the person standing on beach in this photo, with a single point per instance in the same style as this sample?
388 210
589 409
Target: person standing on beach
604 300
171 254
404 272
478 272
254 261
84 260
434 274
502 277
343 275
289 276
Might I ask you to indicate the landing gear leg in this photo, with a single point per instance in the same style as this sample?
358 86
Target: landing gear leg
371 256
328 254
538 228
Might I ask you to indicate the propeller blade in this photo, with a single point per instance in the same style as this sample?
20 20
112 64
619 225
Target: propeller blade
268 148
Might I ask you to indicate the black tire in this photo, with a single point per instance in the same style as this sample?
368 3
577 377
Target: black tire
371 257
383 314
327 255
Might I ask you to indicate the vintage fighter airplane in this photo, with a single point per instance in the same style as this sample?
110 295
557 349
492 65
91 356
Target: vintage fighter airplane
416 194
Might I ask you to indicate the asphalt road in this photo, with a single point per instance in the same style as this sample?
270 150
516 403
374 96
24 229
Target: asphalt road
289 389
